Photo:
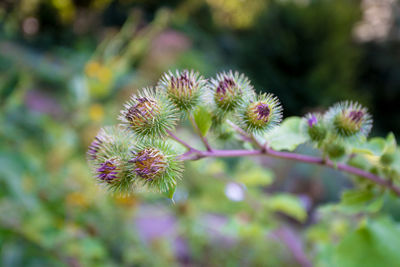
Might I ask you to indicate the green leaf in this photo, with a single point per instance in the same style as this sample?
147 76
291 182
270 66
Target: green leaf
375 146
288 204
170 193
391 144
375 243
360 200
355 197
287 136
202 117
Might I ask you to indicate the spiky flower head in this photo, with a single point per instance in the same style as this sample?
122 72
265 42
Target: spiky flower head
148 114
315 127
109 156
155 165
230 90
261 114
184 89
349 119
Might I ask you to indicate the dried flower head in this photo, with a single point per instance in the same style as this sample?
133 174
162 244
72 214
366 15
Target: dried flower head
315 127
262 114
155 165
148 114
184 89
230 90
349 119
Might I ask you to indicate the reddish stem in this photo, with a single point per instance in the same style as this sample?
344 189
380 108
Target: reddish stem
194 154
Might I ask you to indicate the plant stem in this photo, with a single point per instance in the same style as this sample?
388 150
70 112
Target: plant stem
197 154
196 129
177 139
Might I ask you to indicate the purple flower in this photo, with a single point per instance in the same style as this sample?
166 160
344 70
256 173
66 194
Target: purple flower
312 120
144 110
107 171
225 85
263 112
356 115
182 84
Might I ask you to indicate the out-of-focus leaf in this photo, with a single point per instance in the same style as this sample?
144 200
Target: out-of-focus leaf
390 143
202 118
289 205
375 243
287 136
256 176
355 197
375 146
360 200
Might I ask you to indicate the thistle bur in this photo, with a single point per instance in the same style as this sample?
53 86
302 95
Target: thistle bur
184 89
349 119
261 114
315 127
108 156
230 90
155 165
148 114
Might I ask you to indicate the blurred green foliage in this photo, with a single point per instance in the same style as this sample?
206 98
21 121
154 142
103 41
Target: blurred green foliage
67 65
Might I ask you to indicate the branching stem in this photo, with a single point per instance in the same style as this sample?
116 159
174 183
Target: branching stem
177 139
196 129
197 154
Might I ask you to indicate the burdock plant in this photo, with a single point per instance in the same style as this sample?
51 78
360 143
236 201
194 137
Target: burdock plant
138 155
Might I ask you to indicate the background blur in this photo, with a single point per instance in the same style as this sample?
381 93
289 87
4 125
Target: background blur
66 66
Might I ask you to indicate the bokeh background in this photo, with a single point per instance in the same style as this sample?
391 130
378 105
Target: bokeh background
66 67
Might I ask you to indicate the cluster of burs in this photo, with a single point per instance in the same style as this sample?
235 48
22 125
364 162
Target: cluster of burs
137 155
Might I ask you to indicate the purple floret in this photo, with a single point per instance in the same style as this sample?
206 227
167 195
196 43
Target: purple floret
94 148
312 120
107 171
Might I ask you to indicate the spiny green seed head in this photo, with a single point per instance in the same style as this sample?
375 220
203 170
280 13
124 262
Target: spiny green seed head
230 90
108 156
184 89
334 150
262 114
349 119
148 115
155 165
315 127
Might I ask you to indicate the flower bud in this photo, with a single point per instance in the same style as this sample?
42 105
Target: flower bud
148 115
349 119
184 89
334 150
230 90
155 165
262 114
316 128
